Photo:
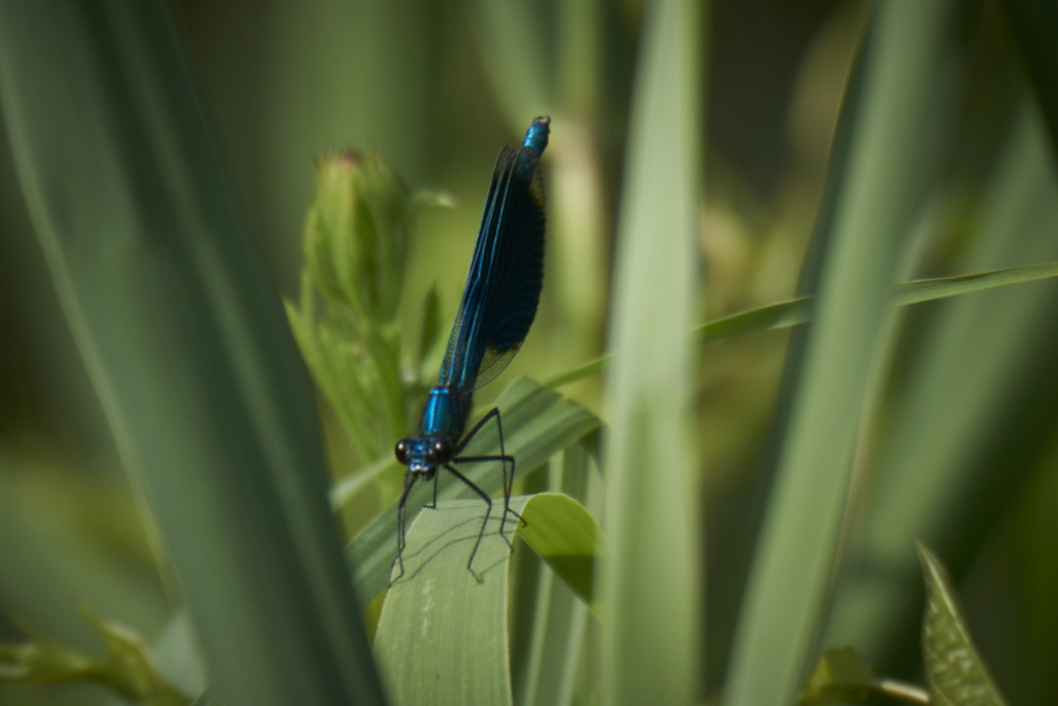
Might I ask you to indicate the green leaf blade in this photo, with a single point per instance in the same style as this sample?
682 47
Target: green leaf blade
893 105
184 340
956 673
442 636
565 535
651 580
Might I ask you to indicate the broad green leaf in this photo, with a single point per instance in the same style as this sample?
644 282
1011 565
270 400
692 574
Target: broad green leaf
956 673
453 629
442 637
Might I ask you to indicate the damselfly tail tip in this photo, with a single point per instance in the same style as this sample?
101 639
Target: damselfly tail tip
536 135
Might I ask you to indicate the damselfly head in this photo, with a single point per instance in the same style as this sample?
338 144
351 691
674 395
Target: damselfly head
422 456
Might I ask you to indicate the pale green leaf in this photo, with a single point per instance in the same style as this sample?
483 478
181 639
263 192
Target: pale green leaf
562 533
442 636
453 628
651 580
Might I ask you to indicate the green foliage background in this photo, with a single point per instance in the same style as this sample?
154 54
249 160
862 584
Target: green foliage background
763 492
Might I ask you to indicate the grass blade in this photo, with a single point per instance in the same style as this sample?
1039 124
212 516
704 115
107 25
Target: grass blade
185 343
973 395
650 582
795 312
889 126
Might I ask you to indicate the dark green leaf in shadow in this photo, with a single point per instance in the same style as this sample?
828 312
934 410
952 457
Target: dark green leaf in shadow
1035 25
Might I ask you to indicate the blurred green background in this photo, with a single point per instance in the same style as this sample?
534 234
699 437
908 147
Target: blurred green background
958 446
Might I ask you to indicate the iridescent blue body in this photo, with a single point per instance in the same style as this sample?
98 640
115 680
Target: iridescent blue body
498 307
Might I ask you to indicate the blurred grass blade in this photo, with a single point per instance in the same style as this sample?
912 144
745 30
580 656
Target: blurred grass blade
889 125
442 636
798 311
651 582
41 548
592 367
124 668
515 46
976 408
956 674
927 290
173 650
185 343
537 423
345 489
